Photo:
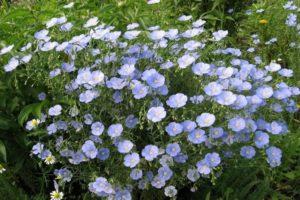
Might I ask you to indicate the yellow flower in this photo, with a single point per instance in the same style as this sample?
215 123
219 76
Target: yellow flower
56 195
50 160
35 122
263 21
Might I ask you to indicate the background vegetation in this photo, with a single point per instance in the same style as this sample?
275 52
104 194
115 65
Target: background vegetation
24 179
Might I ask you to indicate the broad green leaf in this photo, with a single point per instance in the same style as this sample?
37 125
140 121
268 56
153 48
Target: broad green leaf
34 109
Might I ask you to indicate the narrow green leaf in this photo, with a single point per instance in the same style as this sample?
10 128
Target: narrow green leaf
2 151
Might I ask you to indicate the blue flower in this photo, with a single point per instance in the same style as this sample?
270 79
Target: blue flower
103 154
89 149
52 128
153 78
216 132
181 158
193 175
115 130
291 20
136 174
206 119
131 121
203 167
66 27
97 128
150 152
201 68
286 72
37 148
261 139
64 174
116 83
123 195
212 159
226 98
156 114
139 91
176 101
276 127
188 125
274 155
131 160
213 89
185 61
247 152
42 96
126 70
125 146
55 110
264 92
174 129
88 96
219 35
237 124
197 136
117 97
157 182
88 119
173 149
102 185
165 173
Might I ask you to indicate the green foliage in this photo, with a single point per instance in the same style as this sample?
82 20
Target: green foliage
25 180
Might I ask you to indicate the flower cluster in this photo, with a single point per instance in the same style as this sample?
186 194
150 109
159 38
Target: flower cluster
149 104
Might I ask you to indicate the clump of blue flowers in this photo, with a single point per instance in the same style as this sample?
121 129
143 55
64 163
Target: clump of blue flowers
148 107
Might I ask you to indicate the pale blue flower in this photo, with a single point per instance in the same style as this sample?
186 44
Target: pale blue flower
115 130
91 22
203 167
193 175
165 173
136 174
188 125
219 35
237 124
89 149
125 146
185 61
174 128
55 110
261 139
173 149
97 128
150 152
274 155
157 182
264 92
177 100
212 159
156 114
201 68
197 136
247 152
157 35
226 98
206 119
131 160
216 132
213 89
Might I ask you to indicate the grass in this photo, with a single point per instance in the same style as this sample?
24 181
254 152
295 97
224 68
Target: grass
20 19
